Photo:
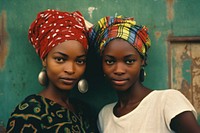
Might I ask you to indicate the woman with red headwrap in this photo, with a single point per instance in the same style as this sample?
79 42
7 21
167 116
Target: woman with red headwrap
60 40
123 46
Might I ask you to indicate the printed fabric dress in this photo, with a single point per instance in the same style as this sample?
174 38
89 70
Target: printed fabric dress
38 114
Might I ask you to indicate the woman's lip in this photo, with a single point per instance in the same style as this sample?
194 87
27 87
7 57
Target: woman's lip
68 81
119 82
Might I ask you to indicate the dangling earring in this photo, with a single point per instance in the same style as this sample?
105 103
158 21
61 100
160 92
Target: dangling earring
142 74
83 86
42 77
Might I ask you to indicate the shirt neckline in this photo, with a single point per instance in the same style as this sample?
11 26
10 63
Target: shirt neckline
138 107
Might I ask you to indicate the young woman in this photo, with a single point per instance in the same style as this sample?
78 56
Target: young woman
60 40
123 47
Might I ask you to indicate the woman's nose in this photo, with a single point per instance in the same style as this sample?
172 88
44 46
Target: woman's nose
69 68
119 68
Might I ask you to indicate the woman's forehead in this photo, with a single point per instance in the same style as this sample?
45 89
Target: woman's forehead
119 45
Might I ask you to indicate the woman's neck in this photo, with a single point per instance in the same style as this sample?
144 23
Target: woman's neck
130 99
133 95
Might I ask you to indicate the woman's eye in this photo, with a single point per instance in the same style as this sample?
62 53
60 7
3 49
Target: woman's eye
129 61
81 61
59 59
109 62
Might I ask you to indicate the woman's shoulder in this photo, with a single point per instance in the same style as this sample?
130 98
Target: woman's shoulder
165 96
172 98
31 104
168 92
28 112
106 112
108 107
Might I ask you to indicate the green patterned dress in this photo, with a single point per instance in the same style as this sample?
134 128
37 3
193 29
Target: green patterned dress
37 114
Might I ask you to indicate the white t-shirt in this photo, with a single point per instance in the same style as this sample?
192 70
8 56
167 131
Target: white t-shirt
152 115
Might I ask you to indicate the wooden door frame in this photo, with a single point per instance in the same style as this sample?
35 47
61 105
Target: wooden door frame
178 39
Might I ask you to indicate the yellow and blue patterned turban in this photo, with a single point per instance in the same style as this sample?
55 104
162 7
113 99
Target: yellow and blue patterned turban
109 28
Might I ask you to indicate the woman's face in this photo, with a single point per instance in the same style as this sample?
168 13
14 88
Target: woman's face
65 64
121 64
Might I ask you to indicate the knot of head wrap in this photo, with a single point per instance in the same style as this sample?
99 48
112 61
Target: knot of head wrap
52 27
109 28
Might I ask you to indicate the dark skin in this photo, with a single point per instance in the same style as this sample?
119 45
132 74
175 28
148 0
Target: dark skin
65 64
121 65
185 123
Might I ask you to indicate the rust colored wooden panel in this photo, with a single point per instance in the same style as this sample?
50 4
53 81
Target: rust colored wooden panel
195 50
185 70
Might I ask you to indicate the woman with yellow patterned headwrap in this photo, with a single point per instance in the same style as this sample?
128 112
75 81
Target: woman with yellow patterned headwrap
110 28
123 46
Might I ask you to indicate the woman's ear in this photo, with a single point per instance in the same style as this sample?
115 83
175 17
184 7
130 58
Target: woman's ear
44 62
143 62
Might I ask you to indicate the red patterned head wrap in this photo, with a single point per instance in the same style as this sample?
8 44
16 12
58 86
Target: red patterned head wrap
53 27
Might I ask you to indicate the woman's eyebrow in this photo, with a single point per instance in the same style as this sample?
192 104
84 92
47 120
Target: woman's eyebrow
80 56
63 54
127 56
130 55
108 56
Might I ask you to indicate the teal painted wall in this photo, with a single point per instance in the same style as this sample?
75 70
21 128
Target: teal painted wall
18 75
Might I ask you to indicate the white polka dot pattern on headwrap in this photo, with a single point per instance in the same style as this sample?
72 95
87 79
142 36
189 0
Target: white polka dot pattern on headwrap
53 27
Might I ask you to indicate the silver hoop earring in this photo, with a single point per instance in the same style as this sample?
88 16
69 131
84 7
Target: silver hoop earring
83 86
42 77
143 74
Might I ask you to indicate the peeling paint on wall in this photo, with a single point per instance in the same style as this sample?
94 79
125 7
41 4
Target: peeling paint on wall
157 35
185 70
170 9
116 14
90 10
3 40
196 76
